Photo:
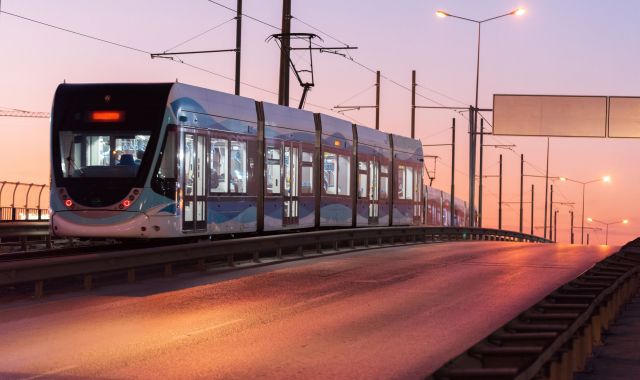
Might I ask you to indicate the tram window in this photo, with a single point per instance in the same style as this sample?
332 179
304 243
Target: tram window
330 180
165 179
101 155
418 184
307 173
384 169
238 173
401 188
362 185
384 186
408 194
273 170
363 179
219 158
344 173
307 180
167 169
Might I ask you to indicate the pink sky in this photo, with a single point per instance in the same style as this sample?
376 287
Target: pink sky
569 47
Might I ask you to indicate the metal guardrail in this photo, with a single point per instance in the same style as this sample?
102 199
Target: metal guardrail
23 234
554 338
39 270
23 228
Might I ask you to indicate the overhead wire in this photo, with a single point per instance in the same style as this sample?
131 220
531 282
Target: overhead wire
172 59
356 95
76 33
244 14
200 34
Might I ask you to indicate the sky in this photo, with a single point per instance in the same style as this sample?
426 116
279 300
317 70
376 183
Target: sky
570 47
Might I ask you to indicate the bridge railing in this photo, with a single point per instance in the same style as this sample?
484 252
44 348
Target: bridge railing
23 214
29 211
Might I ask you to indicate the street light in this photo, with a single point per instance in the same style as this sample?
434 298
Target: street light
605 179
606 238
474 120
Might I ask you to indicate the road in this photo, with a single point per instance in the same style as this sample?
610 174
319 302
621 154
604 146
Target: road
398 312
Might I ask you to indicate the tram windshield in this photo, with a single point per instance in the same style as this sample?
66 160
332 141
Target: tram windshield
102 154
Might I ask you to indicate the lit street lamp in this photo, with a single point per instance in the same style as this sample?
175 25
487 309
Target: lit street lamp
474 119
606 238
605 179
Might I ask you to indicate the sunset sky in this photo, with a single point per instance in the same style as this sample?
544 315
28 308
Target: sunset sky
571 47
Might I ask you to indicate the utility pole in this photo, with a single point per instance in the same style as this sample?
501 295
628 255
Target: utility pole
283 90
238 44
555 225
413 104
453 170
546 188
500 197
377 99
571 212
532 190
521 187
551 215
480 179
472 164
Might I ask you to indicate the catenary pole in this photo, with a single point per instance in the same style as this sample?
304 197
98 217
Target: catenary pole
413 104
378 100
238 44
480 179
453 169
551 214
285 51
521 188
500 197
571 226
546 188
532 198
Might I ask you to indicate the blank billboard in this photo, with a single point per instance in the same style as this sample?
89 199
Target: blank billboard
624 117
550 115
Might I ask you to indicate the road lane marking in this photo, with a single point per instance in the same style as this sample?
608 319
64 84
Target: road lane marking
52 372
203 330
311 300
215 326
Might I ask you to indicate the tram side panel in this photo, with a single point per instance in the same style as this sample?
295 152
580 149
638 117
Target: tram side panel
407 169
289 200
434 207
217 161
336 198
373 165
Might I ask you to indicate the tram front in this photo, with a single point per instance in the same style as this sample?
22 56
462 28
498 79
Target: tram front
104 140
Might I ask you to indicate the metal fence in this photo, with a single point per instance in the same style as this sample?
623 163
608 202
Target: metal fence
33 211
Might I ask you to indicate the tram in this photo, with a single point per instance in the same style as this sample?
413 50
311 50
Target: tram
172 160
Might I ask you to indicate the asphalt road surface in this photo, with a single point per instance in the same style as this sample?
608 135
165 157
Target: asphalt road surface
392 313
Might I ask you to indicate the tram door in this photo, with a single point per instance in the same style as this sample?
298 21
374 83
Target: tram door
374 191
194 196
291 183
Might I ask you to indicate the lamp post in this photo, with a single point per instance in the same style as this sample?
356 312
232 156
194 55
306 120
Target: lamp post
473 119
605 179
606 235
